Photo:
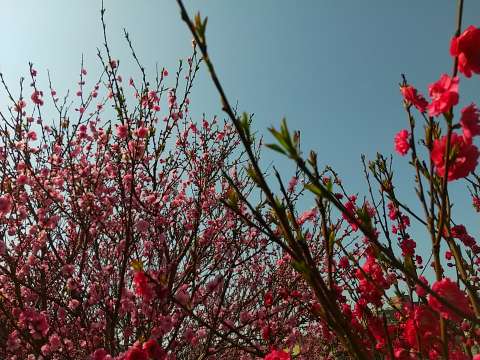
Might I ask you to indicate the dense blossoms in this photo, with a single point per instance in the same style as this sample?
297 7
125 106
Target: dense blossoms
423 322
467 48
411 96
450 292
444 94
402 142
463 157
470 122
278 355
135 239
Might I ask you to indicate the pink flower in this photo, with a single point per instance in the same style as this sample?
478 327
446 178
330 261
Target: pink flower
402 142
463 157
278 355
470 122
20 105
451 293
467 48
32 135
37 97
142 132
122 131
411 96
5 204
444 94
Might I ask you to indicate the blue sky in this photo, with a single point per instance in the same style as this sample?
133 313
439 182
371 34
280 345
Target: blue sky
331 67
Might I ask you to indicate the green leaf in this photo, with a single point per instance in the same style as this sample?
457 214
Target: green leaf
300 266
296 350
279 137
314 189
276 148
245 123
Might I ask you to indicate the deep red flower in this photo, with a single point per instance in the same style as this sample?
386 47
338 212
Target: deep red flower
444 94
268 298
451 293
142 286
463 157
136 354
278 355
467 48
5 204
402 142
470 122
153 349
351 209
411 96
422 325
37 97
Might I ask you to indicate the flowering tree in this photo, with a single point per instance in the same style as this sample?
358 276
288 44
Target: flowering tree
128 230
363 278
113 240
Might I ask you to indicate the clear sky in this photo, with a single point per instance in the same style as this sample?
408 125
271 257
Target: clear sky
332 67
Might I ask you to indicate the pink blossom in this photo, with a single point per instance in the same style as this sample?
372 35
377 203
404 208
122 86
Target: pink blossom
37 97
470 122
402 142
444 94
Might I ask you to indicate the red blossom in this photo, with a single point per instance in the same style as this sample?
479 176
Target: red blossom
278 355
411 96
5 204
444 94
422 325
470 122
142 286
136 354
37 97
402 142
467 48
451 293
153 349
463 157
